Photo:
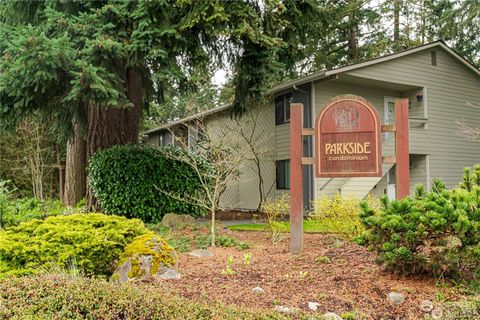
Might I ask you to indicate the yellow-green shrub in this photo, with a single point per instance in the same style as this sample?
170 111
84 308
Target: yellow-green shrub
275 210
340 214
92 241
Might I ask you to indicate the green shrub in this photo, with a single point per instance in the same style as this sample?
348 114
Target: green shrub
57 297
93 241
14 211
142 182
435 233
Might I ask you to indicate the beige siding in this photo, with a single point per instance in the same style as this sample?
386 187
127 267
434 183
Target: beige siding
153 139
244 194
449 86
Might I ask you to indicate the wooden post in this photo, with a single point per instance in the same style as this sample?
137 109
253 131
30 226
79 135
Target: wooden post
402 150
296 178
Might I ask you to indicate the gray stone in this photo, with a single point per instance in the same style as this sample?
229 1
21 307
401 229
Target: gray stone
437 313
396 298
177 220
201 253
331 316
258 290
169 274
426 306
140 266
313 305
121 273
285 310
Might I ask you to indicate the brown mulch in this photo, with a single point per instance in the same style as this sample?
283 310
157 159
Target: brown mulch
350 281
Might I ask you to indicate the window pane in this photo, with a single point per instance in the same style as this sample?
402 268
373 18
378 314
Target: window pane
279 111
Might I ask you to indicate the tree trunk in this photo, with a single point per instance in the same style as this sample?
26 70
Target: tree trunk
352 38
396 25
61 175
108 127
75 173
212 229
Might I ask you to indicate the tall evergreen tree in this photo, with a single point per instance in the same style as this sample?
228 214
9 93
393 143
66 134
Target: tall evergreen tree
96 64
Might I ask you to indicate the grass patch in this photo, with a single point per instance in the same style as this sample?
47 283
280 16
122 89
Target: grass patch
310 226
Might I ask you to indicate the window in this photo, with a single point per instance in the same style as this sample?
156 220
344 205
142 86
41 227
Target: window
282 109
164 139
434 58
283 174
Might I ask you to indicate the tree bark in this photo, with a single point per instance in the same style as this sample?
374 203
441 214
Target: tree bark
109 126
396 25
61 175
75 168
352 38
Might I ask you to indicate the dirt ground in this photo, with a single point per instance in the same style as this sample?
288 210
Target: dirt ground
349 281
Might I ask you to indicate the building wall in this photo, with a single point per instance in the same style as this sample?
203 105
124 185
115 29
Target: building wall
244 194
448 87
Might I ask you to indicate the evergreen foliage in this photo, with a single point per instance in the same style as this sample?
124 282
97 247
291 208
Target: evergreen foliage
127 179
90 242
435 232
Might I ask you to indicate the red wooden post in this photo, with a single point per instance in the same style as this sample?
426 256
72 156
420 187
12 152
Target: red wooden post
402 150
296 178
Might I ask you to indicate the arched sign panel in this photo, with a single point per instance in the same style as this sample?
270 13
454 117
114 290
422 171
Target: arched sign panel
348 142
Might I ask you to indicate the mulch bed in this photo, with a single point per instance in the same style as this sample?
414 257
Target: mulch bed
350 281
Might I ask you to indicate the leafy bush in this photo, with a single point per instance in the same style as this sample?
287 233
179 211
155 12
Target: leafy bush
143 182
93 241
275 210
340 214
436 232
57 297
14 211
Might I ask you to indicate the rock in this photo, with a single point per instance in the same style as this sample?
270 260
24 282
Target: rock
285 310
313 305
426 306
177 220
331 316
169 274
437 313
147 256
396 298
201 253
258 290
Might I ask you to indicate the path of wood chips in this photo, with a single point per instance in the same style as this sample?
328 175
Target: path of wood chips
350 281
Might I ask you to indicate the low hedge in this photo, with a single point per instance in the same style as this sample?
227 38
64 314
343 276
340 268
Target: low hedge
60 297
138 181
92 243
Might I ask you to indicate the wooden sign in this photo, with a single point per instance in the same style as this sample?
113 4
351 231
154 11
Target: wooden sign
348 142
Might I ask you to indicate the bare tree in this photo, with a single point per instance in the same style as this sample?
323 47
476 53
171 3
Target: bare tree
216 159
257 146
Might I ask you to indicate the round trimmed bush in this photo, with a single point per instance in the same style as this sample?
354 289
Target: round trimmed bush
91 242
138 181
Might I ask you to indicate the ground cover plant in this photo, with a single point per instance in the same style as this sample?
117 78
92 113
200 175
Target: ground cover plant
15 210
189 237
43 297
92 242
435 232
127 179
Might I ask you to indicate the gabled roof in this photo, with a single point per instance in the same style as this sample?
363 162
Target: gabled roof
327 73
